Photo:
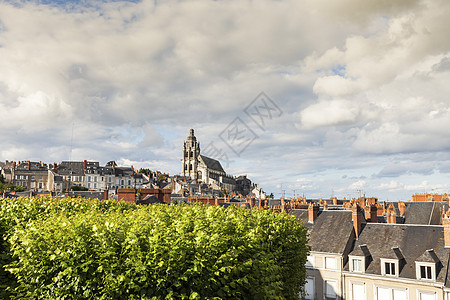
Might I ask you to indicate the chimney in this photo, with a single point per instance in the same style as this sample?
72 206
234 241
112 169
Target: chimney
14 164
367 213
356 217
325 206
373 213
85 165
105 194
313 211
370 213
446 224
401 207
391 216
334 201
29 165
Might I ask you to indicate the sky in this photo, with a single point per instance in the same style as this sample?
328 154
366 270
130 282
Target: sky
307 97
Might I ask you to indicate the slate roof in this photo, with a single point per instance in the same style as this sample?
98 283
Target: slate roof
86 194
331 230
412 241
428 256
424 213
76 168
149 199
212 164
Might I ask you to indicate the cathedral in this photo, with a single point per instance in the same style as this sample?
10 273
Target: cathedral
203 169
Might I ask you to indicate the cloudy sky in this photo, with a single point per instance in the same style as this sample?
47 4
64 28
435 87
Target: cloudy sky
356 93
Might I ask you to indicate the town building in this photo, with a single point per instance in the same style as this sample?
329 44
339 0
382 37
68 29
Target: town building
356 254
202 169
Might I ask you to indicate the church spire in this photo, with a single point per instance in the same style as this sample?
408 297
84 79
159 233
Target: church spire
191 151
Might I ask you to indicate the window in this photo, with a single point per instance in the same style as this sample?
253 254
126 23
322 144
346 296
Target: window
40 177
425 271
95 185
32 185
309 288
95 179
89 185
330 263
310 261
89 178
24 184
389 267
357 291
121 182
389 293
426 295
40 185
330 288
356 264
32 178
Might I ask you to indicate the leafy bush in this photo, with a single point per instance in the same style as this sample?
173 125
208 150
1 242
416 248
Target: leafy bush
17 212
155 252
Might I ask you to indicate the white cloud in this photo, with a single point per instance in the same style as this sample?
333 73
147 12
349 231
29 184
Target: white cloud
330 113
363 86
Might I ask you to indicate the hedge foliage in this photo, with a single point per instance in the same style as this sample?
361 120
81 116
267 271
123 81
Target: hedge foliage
81 249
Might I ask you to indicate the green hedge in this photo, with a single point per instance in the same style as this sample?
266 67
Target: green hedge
107 250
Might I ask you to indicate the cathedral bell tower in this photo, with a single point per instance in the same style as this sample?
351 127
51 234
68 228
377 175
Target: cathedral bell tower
191 151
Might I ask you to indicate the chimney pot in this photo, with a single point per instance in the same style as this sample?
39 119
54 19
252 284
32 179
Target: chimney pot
401 207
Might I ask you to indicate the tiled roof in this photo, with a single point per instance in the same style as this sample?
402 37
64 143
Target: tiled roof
330 232
412 241
212 164
424 213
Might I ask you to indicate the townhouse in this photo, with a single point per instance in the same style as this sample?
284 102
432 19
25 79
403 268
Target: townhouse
357 254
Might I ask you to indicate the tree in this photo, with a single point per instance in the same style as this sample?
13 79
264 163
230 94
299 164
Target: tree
2 179
224 193
10 187
145 171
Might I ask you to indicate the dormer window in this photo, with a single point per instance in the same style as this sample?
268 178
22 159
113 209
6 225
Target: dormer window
425 272
357 264
389 267
426 265
359 259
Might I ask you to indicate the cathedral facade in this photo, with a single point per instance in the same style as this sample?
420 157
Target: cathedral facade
203 169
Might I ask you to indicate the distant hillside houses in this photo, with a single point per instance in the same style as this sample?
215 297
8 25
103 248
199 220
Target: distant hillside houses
58 178
200 176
